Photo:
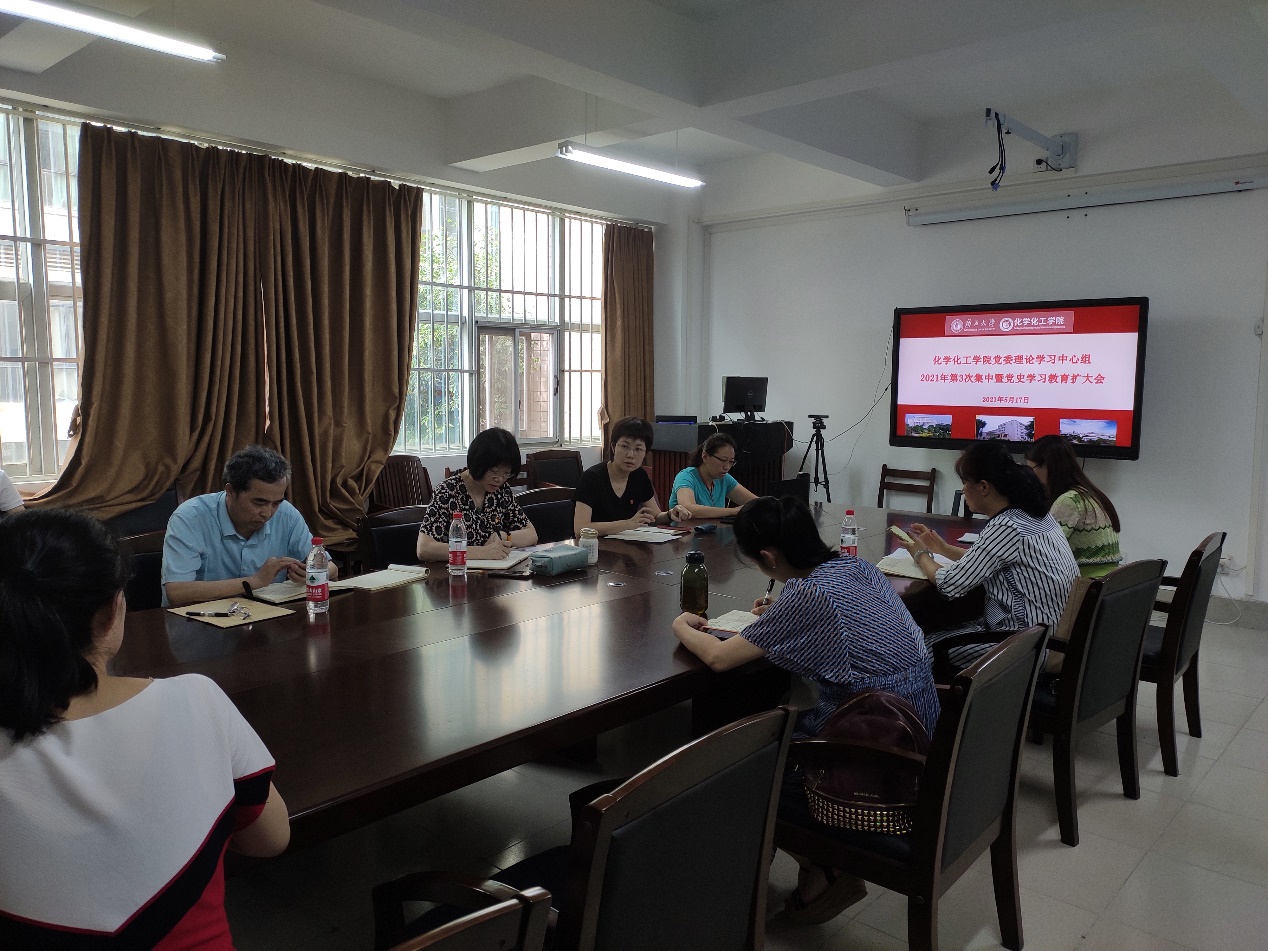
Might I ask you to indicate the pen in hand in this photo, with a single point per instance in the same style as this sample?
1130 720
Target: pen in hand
769 588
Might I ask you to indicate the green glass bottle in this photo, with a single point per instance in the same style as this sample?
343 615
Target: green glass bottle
695 585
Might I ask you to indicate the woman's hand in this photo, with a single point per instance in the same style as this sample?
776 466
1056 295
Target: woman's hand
922 536
680 513
495 549
688 622
761 606
640 519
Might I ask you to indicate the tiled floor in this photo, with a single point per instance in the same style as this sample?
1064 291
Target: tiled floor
1184 867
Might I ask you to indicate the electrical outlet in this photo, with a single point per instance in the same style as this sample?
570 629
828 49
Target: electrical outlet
1226 564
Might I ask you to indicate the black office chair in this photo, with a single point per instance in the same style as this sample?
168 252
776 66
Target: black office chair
145 587
150 517
675 858
967 799
551 512
558 467
391 537
518 923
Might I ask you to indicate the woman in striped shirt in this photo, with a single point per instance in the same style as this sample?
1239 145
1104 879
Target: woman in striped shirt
838 623
1021 557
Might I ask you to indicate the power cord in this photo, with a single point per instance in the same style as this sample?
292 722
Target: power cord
1224 587
997 170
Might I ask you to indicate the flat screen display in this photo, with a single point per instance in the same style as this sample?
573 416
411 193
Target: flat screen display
1015 372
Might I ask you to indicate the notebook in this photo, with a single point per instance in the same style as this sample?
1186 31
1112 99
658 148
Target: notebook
901 565
733 622
390 577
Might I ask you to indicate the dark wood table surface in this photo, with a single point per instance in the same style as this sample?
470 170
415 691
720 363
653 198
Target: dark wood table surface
402 695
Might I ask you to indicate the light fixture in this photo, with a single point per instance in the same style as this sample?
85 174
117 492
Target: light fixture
86 22
1081 198
570 150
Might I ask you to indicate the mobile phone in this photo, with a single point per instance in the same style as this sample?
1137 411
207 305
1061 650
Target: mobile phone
515 575
902 536
705 529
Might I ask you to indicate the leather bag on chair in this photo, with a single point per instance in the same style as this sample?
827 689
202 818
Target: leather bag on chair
862 795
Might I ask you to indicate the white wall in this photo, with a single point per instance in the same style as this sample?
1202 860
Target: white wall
809 303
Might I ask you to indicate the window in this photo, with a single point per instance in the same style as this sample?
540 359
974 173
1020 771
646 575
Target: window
40 293
509 326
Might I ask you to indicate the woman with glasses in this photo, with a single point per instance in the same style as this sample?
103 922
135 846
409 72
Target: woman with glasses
617 495
1021 557
838 623
118 795
706 485
495 522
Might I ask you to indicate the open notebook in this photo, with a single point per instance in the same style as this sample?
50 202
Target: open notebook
389 577
901 565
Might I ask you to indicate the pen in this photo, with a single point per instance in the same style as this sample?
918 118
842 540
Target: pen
208 614
769 588
246 586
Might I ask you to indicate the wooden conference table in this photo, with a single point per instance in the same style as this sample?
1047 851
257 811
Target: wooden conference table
401 695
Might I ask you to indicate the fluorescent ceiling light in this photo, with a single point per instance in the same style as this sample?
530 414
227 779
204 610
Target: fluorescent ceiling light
85 22
1083 198
577 153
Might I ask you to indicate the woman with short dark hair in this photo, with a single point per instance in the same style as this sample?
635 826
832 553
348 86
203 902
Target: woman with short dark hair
706 486
118 795
837 622
1083 511
617 495
495 522
1021 556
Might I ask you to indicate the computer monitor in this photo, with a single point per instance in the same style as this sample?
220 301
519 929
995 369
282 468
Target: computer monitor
744 394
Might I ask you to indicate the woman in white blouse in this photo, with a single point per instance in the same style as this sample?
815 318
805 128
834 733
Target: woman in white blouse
1021 557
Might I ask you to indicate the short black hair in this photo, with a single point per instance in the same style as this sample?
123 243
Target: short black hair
784 524
631 427
989 461
492 448
58 568
710 447
255 463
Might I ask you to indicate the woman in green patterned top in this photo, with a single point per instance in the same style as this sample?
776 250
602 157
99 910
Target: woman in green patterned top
1083 511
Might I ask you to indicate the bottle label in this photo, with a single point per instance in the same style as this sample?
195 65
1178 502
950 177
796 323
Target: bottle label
317 584
458 557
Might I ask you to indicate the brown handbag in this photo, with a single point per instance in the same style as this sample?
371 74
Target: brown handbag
867 796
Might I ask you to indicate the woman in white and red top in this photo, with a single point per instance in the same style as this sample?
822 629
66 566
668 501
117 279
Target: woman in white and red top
118 796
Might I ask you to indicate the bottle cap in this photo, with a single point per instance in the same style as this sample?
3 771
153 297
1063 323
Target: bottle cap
458 515
849 511
695 558
316 540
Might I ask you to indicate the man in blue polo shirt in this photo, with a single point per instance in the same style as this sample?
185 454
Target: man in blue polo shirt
247 533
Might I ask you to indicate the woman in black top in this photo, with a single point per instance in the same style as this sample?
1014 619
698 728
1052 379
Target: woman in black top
617 495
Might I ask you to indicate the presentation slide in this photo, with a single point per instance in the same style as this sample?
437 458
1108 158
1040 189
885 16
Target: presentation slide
1019 374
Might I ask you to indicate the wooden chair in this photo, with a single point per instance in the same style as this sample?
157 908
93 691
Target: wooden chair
517 923
557 467
403 481
145 588
678 855
1171 652
1099 677
911 481
391 537
966 803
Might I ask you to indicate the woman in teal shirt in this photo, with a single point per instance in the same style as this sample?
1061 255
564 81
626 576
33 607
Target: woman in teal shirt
706 485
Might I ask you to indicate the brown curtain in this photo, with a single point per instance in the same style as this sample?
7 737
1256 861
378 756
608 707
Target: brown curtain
340 284
173 377
628 280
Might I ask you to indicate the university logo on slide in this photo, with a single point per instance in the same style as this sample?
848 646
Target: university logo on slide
957 325
1006 324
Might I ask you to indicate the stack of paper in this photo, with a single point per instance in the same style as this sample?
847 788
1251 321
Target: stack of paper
901 565
733 622
653 536
391 576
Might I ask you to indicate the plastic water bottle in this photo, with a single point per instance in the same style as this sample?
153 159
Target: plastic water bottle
317 579
458 546
849 535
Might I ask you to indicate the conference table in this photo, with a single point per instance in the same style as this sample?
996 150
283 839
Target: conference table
401 695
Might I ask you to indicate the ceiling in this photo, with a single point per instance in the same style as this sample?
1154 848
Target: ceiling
853 88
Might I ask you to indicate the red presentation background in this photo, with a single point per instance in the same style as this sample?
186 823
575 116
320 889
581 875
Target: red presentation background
1107 319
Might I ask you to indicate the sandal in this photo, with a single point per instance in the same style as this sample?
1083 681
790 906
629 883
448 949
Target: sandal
842 892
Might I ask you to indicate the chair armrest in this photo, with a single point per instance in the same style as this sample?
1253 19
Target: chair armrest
1163 606
445 888
1170 581
802 751
1057 644
969 637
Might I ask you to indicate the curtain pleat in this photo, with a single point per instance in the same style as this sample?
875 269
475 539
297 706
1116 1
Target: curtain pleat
628 284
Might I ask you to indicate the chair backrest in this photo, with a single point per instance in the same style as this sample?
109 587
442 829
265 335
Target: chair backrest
145 587
677 857
913 481
518 924
1183 632
1102 662
403 481
553 518
391 537
150 517
547 494
554 467
969 784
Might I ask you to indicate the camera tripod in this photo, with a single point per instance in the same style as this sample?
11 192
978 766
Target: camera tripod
821 462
